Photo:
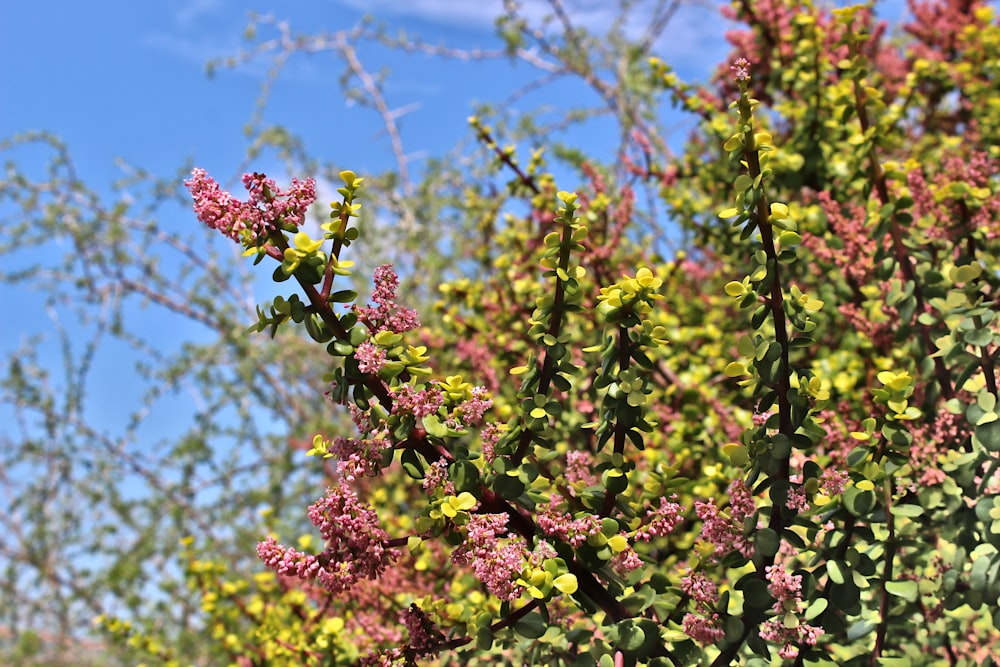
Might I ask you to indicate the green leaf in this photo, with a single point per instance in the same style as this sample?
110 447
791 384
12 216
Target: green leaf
531 626
767 542
434 426
817 607
412 464
860 629
484 639
903 589
907 510
756 595
834 571
989 435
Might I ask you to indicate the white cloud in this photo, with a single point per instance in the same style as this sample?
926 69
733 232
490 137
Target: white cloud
189 11
192 49
469 13
695 33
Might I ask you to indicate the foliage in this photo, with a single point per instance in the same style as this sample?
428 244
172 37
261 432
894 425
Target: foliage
777 444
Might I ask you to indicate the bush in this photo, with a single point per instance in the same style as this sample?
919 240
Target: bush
777 444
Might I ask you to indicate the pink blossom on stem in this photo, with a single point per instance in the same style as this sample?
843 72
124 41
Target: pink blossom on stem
561 525
356 545
370 357
578 468
386 314
661 520
358 456
626 561
833 481
786 588
797 499
704 626
471 412
436 477
489 437
725 530
541 553
497 564
425 638
704 630
267 208
417 402
287 206
741 69
702 590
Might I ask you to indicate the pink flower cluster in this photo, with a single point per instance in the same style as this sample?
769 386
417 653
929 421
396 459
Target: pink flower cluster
704 626
370 357
833 481
626 561
267 207
787 590
495 563
356 545
935 200
425 638
726 531
386 314
436 477
741 69
661 520
578 468
559 524
358 456
848 222
417 402
489 437
471 411
797 499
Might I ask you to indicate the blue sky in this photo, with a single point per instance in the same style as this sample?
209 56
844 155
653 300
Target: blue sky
124 79
120 79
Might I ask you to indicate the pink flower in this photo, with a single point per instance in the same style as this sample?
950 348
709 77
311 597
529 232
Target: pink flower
561 525
662 520
425 638
497 564
703 630
370 357
726 531
797 499
417 402
356 545
833 481
702 590
578 468
786 588
436 477
358 456
471 412
489 437
387 315
741 69
267 208
626 561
